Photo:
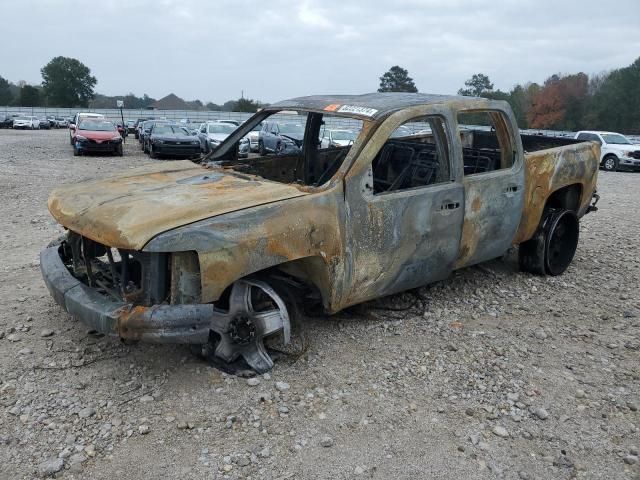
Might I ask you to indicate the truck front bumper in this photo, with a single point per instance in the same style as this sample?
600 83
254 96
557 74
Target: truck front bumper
157 324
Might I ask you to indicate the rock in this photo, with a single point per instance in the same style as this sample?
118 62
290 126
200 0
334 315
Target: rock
631 459
146 399
265 452
50 467
358 470
541 413
143 429
500 431
77 458
540 334
182 425
326 441
580 393
282 386
633 406
253 382
25 351
87 412
45 332
475 438
243 462
227 468
470 411
13 338
632 450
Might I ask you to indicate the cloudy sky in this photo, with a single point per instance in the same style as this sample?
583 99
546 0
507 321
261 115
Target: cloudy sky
277 49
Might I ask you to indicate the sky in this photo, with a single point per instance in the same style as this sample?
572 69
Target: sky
272 50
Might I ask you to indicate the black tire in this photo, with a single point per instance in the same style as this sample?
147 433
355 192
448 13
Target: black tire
551 250
152 153
610 163
261 149
70 140
119 150
76 152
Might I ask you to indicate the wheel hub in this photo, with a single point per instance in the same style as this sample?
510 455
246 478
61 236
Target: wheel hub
242 330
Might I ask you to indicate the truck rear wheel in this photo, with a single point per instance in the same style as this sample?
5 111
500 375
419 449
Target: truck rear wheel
554 245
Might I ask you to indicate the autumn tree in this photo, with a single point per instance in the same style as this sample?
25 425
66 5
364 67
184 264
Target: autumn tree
478 85
397 79
67 82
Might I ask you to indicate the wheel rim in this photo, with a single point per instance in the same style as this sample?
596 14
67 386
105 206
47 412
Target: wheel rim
255 312
609 164
561 242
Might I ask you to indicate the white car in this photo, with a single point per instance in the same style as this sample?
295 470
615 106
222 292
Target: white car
337 138
616 151
213 133
26 122
253 136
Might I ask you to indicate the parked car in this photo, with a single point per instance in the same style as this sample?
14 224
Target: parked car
213 134
239 246
337 138
44 123
145 131
96 135
138 125
280 138
62 122
26 122
172 140
6 121
76 119
254 136
131 126
617 152
52 121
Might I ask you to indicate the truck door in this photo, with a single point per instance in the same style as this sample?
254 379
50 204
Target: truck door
493 184
404 207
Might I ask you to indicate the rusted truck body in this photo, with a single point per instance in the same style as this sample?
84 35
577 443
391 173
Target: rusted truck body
208 253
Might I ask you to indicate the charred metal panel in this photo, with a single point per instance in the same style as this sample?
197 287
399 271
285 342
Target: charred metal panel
550 170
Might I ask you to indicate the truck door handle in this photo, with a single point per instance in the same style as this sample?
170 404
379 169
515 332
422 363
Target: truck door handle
450 206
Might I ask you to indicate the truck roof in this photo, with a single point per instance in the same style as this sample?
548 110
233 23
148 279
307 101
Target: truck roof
369 105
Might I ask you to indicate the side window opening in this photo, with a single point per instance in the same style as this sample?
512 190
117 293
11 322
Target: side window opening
486 143
415 155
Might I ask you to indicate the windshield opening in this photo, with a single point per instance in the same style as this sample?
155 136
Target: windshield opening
225 128
292 146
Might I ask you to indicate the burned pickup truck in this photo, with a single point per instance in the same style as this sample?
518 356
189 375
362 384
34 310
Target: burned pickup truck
214 254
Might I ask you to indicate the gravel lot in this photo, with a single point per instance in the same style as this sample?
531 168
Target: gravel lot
490 374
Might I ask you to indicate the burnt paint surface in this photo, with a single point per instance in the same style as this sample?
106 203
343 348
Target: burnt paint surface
352 246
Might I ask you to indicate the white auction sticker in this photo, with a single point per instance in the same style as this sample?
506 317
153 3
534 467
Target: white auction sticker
366 111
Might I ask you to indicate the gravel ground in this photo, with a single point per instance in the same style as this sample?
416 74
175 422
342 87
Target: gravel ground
490 374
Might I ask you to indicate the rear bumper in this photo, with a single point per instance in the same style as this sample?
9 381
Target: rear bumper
156 324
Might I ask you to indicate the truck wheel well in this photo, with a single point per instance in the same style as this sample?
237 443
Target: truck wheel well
567 198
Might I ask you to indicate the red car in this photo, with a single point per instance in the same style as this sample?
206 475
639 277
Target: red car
96 135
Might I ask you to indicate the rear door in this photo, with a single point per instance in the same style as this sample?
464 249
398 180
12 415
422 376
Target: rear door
493 184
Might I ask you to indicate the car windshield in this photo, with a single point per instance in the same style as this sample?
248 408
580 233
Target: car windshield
616 138
169 130
291 129
97 126
344 135
221 128
21 118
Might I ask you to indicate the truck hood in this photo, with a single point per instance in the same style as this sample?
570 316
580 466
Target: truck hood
126 211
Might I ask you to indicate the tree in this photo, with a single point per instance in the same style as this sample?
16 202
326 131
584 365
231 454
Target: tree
29 97
397 79
67 82
478 85
6 97
247 105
